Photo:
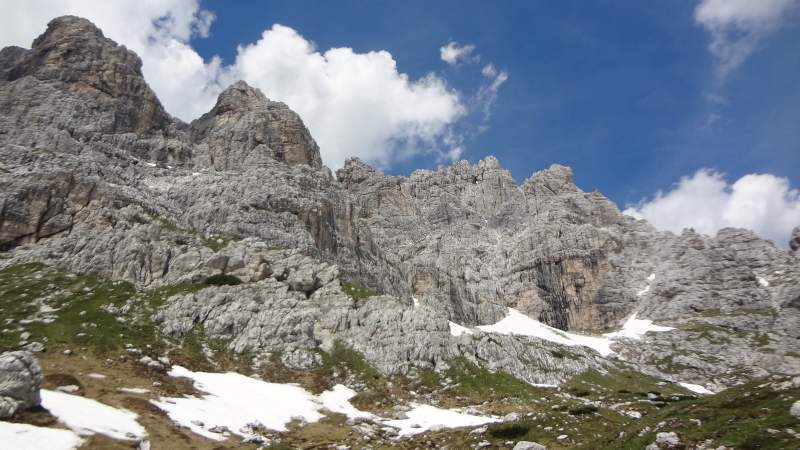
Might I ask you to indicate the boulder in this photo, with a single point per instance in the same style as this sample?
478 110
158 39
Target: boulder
528 445
20 379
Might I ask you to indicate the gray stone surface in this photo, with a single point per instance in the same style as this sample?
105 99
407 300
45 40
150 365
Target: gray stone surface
528 445
97 179
20 378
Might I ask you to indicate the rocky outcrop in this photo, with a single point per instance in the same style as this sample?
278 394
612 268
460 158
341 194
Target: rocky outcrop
245 129
96 178
20 378
794 240
74 54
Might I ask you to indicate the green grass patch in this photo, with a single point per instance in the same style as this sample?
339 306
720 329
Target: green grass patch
344 359
583 409
215 243
78 308
357 292
737 418
480 384
222 279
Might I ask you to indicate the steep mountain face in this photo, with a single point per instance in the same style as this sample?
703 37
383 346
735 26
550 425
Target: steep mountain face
97 179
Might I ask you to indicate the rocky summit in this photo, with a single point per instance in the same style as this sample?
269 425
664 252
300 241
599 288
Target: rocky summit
160 251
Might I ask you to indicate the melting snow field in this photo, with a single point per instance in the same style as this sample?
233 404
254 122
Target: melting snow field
519 324
458 330
422 418
22 436
86 416
338 400
636 328
696 388
236 401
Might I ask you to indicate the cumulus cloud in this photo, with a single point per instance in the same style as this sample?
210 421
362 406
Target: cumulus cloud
706 202
738 26
452 53
354 104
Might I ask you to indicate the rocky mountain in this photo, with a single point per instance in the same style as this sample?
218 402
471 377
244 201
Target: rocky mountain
254 246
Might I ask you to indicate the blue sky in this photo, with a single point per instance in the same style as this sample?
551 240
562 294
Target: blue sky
685 112
618 90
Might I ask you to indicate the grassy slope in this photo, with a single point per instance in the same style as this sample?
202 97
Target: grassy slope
738 417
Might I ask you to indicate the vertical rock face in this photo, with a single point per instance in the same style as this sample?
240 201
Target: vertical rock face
96 178
245 129
794 240
20 378
472 239
75 52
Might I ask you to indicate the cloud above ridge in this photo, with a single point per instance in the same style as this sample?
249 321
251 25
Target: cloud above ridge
707 202
354 104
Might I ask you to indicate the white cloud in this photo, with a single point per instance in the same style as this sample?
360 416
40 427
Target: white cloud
487 94
453 53
737 26
355 104
706 202
489 71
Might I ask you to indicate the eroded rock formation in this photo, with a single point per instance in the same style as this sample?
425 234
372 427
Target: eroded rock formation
96 178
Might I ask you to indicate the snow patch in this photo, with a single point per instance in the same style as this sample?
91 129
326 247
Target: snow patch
696 388
517 323
86 416
646 289
133 390
23 436
416 301
763 282
422 418
97 376
337 400
236 401
458 330
634 328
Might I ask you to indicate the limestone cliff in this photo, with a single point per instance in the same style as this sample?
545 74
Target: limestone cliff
96 178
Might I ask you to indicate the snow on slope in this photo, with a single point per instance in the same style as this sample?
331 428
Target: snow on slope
696 388
422 418
338 400
236 401
458 330
133 390
519 324
20 436
636 328
86 416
